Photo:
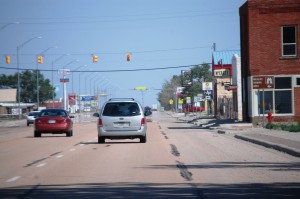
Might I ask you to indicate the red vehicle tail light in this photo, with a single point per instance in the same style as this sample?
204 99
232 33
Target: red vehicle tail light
100 122
143 122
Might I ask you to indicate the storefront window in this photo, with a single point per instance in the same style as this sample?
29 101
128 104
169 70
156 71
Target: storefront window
279 100
283 102
268 103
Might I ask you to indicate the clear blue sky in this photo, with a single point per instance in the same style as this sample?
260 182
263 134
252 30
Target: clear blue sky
158 33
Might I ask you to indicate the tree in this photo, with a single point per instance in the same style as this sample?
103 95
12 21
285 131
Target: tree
199 74
168 91
28 86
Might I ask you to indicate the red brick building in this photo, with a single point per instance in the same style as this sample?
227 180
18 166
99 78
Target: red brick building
270 59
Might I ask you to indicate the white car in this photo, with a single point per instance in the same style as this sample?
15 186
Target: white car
31 117
121 118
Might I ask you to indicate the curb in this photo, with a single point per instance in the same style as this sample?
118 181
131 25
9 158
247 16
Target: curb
290 151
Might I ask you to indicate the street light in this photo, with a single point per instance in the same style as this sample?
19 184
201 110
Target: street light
37 75
52 66
73 76
18 71
65 86
8 25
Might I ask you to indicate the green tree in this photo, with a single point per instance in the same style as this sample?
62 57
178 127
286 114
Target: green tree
28 86
200 73
168 91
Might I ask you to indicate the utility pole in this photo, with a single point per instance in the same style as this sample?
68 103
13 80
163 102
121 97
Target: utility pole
214 47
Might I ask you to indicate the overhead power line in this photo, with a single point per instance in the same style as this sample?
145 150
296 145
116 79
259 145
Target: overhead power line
117 70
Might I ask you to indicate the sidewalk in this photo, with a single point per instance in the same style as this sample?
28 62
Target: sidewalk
283 141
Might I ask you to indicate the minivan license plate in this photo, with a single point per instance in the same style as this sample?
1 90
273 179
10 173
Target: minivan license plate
121 124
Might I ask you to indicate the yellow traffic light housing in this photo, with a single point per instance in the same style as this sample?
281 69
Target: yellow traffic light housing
7 58
40 59
128 57
95 58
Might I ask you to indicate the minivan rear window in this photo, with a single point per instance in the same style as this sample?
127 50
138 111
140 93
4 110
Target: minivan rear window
121 109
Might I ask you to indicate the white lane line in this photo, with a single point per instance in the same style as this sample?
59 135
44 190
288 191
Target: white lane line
81 145
72 149
59 156
13 179
41 165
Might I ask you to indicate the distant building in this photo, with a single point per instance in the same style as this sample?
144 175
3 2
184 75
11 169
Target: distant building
9 104
270 62
225 97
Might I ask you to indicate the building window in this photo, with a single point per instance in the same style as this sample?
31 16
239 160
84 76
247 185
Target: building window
278 100
289 41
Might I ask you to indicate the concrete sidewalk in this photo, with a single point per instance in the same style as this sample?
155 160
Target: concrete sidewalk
284 141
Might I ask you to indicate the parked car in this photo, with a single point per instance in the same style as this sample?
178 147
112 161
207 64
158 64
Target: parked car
121 118
54 121
31 117
147 110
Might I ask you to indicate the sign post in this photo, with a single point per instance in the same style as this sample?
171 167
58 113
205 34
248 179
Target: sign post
262 82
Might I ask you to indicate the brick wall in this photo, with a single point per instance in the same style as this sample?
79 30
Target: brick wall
265 21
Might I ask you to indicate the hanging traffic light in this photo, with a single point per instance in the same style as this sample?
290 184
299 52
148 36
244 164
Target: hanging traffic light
7 59
95 58
40 59
128 57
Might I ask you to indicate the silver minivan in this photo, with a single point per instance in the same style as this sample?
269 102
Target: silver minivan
121 118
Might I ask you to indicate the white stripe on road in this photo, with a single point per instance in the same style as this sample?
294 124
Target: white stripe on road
59 156
41 165
13 179
72 149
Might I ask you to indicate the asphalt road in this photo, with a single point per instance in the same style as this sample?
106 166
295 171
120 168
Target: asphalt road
174 163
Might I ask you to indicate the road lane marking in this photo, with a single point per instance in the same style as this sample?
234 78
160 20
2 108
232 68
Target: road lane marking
59 156
72 149
13 179
81 145
41 165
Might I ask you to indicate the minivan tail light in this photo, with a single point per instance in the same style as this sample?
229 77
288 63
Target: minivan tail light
100 122
143 122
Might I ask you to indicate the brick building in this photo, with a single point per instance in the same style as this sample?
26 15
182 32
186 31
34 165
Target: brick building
270 59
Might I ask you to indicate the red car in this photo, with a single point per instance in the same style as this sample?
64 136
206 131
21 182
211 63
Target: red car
54 121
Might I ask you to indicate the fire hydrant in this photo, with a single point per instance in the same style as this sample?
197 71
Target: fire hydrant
270 117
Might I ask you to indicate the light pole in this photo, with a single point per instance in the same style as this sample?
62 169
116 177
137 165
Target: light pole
65 86
52 70
73 76
37 75
18 72
8 25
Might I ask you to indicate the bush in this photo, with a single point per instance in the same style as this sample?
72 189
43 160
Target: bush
284 127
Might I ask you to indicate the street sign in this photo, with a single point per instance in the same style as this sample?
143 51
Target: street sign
64 71
208 97
207 86
188 100
207 92
263 82
64 80
171 101
221 72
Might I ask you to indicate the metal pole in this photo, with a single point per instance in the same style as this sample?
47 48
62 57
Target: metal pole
37 83
19 90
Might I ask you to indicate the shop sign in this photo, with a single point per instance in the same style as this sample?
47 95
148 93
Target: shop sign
263 82
221 72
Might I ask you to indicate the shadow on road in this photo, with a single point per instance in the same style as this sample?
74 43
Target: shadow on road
154 190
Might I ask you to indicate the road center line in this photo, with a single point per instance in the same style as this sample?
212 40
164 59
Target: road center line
13 179
72 149
59 156
41 165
